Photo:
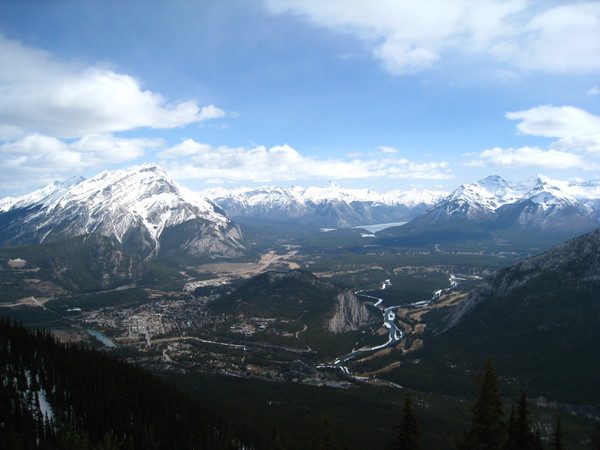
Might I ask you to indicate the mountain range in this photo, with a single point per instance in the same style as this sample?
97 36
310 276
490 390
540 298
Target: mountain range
538 203
329 206
150 215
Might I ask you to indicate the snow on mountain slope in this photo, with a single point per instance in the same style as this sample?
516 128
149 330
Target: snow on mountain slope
135 207
471 202
267 201
334 192
539 202
413 198
549 206
45 195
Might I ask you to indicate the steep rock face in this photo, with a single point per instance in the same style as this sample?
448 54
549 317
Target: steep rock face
106 265
83 263
138 208
350 314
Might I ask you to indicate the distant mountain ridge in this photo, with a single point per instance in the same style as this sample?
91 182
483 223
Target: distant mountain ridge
149 214
143 209
537 203
330 206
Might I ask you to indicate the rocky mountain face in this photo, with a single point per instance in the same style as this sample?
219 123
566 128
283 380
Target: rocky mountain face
143 209
350 314
539 319
330 206
537 204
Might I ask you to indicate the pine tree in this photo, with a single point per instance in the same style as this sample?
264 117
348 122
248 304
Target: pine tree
520 436
595 438
511 431
537 440
557 438
326 440
408 431
487 431
276 439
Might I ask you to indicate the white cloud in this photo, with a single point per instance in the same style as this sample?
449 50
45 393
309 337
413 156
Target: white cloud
410 36
578 144
283 163
40 159
594 90
563 39
577 129
581 144
41 94
556 121
188 147
531 157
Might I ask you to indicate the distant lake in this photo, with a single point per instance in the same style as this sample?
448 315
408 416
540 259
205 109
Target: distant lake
371 228
379 226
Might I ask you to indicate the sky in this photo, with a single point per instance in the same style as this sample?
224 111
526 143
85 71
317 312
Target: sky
378 94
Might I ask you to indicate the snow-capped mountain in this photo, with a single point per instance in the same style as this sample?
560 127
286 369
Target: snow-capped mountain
328 206
144 209
538 203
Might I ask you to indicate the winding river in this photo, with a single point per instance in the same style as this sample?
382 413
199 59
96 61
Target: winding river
395 334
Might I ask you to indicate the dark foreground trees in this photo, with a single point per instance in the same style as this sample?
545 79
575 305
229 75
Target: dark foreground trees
55 395
489 430
408 431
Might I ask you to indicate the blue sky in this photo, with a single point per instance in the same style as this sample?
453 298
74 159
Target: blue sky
378 94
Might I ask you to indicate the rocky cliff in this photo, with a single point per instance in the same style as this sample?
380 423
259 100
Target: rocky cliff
350 314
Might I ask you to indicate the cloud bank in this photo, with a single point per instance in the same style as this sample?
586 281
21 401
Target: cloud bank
411 36
578 146
58 117
191 159
43 159
64 100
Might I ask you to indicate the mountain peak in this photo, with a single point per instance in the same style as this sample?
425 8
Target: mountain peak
332 185
135 207
493 179
149 167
